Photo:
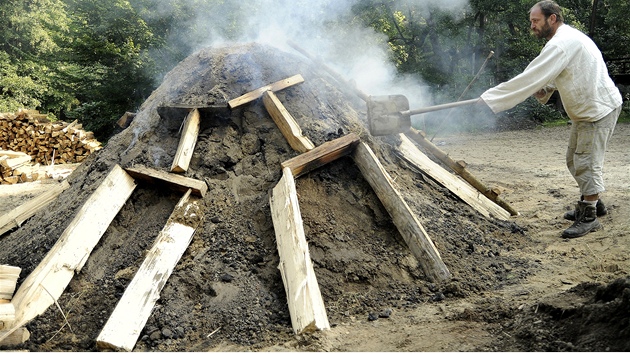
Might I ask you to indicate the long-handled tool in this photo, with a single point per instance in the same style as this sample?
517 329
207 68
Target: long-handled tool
391 114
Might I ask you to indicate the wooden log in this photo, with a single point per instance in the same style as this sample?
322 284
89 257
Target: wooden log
173 181
256 94
408 225
18 215
305 302
49 279
14 336
321 155
460 168
286 123
126 119
123 327
187 142
410 153
7 316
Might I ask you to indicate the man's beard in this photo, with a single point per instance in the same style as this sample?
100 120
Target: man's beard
545 30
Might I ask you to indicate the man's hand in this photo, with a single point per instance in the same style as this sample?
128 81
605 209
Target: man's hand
541 93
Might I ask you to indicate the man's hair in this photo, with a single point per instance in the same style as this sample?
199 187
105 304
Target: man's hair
549 7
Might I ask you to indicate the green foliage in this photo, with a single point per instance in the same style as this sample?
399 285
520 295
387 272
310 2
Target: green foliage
92 60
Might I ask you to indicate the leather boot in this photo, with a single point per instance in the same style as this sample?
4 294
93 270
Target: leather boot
601 210
586 221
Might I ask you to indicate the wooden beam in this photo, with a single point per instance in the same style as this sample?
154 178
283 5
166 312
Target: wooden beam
18 215
410 153
13 337
49 279
286 123
256 94
173 181
187 142
321 155
408 225
123 327
306 306
460 168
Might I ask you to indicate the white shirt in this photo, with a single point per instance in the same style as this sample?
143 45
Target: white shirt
571 63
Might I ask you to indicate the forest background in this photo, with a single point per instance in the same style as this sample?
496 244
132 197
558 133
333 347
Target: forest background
94 60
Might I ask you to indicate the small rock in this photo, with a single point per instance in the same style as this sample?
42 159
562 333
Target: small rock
385 313
155 335
227 278
215 219
167 333
372 317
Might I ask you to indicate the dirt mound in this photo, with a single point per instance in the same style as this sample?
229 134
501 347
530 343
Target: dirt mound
226 292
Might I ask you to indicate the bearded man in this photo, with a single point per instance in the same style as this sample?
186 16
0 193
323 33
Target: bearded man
571 64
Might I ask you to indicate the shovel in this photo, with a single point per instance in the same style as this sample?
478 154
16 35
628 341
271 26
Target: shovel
391 115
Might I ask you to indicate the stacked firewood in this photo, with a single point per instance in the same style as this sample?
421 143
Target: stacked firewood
29 140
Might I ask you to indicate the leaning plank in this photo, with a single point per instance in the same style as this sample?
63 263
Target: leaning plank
187 142
410 153
460 168
286 123
49 279
12 154
408 225
123 327
306 306
7 316
256 94
15 336
17 216
321 155
173 181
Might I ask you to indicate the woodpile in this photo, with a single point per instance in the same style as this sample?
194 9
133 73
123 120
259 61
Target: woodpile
30 144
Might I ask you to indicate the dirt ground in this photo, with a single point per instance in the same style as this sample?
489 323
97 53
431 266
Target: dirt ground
516 285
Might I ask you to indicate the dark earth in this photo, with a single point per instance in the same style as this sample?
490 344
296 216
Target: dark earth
226 293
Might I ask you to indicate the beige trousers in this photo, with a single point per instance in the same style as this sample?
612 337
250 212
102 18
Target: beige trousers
585 154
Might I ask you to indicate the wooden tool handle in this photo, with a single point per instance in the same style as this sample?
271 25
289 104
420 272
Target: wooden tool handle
439 107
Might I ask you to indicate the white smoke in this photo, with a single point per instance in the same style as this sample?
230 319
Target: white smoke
325 28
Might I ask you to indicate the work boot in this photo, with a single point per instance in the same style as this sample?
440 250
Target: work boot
586 221
601 210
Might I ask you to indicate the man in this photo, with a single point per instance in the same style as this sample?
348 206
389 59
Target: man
570 63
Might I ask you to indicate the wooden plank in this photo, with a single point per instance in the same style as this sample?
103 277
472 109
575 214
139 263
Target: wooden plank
12 154
460 168
15 336
321 155
187 142
256 94
12 163
123 327
18 215
410 153
305 302
7 316
286 123
49 279
408 225
173 181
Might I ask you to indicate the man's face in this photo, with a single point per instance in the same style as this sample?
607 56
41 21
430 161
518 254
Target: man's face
539 24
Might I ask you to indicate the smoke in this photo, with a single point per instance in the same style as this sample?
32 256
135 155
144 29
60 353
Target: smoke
325 28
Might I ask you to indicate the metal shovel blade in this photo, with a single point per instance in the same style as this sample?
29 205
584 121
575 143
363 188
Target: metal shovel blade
384 115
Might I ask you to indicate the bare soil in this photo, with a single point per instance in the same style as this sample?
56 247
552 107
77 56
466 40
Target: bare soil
516 285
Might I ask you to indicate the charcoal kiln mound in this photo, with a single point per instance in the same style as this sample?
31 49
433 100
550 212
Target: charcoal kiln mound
227 289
